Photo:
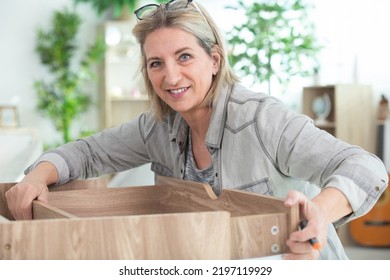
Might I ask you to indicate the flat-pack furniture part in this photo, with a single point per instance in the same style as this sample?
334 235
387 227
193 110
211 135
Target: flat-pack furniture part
173 219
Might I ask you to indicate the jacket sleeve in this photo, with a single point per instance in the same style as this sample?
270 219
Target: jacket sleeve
305 152
111 150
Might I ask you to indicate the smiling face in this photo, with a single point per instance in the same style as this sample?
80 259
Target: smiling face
179 69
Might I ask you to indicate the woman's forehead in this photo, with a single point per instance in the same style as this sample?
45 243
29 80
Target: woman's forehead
169 39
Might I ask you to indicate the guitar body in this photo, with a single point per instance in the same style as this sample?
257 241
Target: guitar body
373 229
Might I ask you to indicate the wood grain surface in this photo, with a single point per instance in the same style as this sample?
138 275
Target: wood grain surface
174 219
173 236
4 187
94 183
43 210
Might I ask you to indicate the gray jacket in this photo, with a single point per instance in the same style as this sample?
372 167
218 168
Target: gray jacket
257 145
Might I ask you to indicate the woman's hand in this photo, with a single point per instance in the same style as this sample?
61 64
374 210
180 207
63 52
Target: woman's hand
20 197
317 227
327 207
33 186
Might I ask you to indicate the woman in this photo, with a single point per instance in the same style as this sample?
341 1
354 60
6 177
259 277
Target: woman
205 127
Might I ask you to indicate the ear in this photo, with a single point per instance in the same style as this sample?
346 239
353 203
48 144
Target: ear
216 57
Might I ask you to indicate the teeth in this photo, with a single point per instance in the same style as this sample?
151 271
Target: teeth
177 91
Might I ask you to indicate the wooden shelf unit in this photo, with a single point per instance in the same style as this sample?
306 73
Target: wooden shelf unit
352 114
122 97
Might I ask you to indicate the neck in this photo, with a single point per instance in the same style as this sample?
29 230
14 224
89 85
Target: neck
199 123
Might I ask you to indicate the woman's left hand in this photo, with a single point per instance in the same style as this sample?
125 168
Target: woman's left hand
298 242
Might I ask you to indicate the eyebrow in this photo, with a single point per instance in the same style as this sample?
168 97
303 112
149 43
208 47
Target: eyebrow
176 53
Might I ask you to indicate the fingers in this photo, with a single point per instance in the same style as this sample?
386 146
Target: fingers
44 194
20 197
299 241
294 197
19 205
314 255
301 250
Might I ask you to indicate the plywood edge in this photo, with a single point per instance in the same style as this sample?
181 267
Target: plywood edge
234 192
293 218
200 189
42 210
93 183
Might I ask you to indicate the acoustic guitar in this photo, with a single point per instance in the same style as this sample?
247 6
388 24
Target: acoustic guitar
373 229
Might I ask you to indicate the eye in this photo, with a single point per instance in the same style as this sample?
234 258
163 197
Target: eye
185 57
154 64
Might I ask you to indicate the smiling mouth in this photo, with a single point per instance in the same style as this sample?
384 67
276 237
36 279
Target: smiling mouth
178 91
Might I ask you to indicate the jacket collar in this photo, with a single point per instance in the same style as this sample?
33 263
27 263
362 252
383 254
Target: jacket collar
218 119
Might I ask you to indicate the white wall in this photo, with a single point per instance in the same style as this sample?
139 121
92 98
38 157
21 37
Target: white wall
20 65
354 33
356 36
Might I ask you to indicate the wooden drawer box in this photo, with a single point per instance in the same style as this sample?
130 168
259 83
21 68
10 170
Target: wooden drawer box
173 220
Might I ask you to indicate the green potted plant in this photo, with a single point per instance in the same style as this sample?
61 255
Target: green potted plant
62 97
120 8
276 40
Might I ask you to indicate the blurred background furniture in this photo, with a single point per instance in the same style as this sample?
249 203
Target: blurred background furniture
351 116
9 116
121 90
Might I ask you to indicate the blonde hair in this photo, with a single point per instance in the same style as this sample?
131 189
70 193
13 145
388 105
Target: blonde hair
195 20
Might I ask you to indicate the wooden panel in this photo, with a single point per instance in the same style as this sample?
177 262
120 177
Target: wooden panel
201 190
260 225
191 196
43 210
186 196
258 235
170 236
4 187
108 202
93 183
174 196
355 115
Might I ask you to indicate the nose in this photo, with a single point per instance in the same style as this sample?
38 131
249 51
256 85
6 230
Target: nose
172 74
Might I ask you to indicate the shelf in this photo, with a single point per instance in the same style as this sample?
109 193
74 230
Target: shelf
122 97
351 116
